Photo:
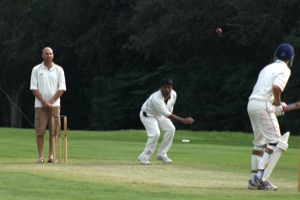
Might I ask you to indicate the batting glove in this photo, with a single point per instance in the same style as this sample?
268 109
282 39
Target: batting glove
279 110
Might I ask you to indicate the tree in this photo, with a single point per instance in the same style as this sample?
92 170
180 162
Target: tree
210 69
26 28
14 36
115 52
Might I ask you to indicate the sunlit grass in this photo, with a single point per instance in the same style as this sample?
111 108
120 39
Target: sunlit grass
103 165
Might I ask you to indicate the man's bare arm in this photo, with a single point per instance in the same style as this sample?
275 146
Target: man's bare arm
175 118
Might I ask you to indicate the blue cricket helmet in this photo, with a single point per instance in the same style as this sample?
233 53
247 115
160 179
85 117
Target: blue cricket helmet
285 52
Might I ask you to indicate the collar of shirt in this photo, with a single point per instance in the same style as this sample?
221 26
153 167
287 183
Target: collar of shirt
51 68
280 61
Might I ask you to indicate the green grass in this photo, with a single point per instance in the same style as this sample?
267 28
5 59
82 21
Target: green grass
103 165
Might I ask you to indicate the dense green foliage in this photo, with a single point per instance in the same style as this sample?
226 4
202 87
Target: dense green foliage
115 52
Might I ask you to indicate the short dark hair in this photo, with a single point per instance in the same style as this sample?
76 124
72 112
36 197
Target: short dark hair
166 81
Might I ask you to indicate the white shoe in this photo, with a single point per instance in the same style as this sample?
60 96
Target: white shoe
269 186
143 161
262 185
164 158
252 186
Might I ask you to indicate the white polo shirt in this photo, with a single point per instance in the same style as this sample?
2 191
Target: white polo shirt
156 106
48 82
276 73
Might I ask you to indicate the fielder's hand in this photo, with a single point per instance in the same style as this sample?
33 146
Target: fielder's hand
188 120
279 110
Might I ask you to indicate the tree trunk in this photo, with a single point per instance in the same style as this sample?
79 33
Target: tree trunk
15 107
4 112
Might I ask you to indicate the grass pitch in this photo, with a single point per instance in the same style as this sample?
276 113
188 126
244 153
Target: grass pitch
103 165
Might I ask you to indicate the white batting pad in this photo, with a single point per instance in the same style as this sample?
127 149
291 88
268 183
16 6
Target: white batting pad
281 147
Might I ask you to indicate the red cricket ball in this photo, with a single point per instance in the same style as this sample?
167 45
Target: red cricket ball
218 30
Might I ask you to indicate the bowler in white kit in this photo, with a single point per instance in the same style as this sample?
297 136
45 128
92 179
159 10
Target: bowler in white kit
156 115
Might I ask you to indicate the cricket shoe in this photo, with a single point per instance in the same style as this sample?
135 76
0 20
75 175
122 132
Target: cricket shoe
262 185
269 186
164 158
252 186
143 161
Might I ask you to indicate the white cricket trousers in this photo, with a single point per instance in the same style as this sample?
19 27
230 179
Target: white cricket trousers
153 126
264 122
266 130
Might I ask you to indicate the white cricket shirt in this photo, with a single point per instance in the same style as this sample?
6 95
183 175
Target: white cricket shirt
156 106
48 82
276 73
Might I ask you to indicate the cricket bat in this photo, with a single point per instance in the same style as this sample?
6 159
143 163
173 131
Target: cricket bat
293 106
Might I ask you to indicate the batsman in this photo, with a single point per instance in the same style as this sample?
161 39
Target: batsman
264 106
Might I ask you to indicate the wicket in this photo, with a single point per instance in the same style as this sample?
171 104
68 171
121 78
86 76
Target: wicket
57 119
